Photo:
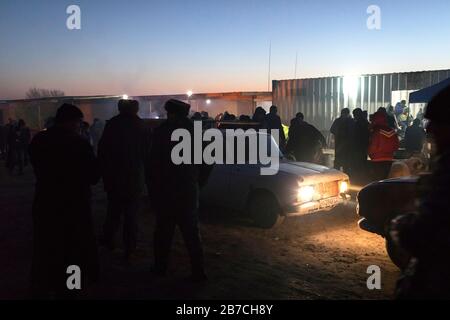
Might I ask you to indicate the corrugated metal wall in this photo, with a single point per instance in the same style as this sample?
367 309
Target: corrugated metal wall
321 99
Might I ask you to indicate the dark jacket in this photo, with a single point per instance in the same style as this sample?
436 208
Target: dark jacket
414 138
174 187
342 129
426 236
63 235
360 137
304 141
273 121
123 153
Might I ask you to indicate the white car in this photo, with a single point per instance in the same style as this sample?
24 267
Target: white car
297 189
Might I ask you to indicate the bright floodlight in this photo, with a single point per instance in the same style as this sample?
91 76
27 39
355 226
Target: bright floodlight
208 101
351 87
189 93
125 97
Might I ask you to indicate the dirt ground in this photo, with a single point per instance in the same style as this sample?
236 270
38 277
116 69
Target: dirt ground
321 256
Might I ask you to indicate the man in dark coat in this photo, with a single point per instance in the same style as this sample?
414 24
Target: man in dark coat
415 137
342 130
305 141
174 191
63 235
426 234
123 155
20 141
273 122
2 142
391 118
360 145
259 116
11 145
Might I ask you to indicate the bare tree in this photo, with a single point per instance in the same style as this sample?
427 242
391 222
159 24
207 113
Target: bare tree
36 93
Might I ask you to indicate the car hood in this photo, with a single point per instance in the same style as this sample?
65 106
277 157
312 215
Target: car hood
310 172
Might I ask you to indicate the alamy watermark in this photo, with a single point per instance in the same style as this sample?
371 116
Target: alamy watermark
73 21
74 280
374 19
228 147
374 280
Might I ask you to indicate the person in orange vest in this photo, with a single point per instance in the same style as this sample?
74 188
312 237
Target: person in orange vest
382 146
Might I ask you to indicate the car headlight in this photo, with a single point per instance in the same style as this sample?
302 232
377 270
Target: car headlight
306 194
343 187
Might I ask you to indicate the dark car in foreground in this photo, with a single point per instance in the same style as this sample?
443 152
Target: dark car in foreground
380 202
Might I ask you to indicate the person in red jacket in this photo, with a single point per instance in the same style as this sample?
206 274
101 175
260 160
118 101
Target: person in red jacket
383 143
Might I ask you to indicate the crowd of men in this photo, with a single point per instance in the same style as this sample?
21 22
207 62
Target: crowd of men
69 157
128 159
378 138
364 145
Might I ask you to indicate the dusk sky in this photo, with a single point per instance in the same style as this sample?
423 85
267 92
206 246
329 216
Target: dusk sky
159 47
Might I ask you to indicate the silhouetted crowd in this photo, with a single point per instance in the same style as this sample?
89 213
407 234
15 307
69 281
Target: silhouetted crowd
70 156
365 149
365 146
129 159
15 137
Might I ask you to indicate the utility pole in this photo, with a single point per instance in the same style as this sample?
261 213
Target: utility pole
296 60
270 58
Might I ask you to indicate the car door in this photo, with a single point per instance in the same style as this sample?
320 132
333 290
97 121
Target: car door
215 193
243 177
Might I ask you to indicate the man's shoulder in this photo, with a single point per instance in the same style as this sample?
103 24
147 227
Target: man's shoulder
40 136
336 121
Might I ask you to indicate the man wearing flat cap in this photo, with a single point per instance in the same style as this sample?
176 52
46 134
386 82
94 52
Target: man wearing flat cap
174 191
65 167
426 234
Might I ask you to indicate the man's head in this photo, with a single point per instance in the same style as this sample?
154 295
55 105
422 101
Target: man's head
300 116
403 102
273 110
438 113
345 112
358 113
260 111
365 114
204 114
196 116
177 109
128 107
390 109
379 119
69 117
382 110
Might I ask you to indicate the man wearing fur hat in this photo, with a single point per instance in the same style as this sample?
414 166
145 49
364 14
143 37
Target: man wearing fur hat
174 191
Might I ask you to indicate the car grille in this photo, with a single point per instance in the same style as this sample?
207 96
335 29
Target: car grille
328 189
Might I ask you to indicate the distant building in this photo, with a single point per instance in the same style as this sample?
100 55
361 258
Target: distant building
36 111
321 99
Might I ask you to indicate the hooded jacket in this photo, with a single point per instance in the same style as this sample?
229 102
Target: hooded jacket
383 141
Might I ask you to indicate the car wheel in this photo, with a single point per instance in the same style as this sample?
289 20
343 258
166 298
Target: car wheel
264 210
398 256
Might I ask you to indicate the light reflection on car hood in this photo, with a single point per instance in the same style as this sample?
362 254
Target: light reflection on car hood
310 172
